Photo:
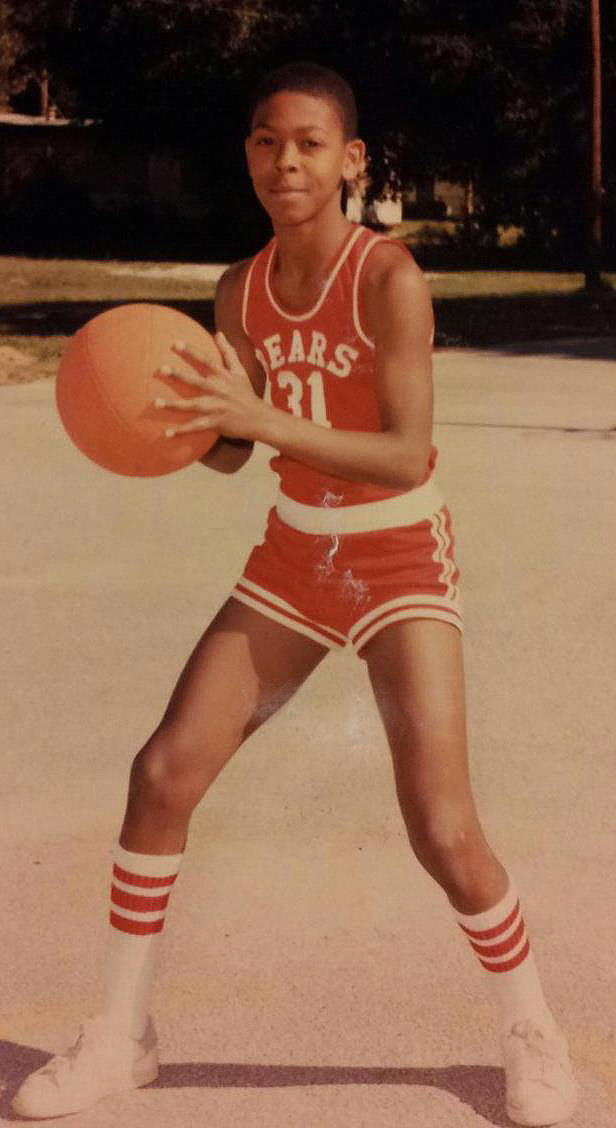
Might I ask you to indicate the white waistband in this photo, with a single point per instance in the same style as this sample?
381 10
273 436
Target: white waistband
403 509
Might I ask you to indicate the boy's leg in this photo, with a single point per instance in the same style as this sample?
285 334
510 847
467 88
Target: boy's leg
242 670
244 667
416 670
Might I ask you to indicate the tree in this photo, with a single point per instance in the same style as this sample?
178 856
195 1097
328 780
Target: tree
31 33
493 94
11 49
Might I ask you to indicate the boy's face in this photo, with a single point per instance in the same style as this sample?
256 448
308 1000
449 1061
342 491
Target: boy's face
297 156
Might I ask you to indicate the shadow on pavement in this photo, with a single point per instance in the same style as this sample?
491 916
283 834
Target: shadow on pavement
481 1087
569 348
57 319
563 324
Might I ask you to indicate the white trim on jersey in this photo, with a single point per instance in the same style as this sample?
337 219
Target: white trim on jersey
311 312
366 251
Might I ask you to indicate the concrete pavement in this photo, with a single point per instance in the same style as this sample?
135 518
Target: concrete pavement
312 975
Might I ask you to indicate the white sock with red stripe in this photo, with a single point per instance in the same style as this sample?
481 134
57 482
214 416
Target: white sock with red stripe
140 891
498 937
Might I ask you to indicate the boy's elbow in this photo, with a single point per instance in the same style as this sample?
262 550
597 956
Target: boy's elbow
227 456
412 469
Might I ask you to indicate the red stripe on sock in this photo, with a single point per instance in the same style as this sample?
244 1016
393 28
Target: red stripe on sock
141 881
489 933
136 927
504 946
508 965
137 903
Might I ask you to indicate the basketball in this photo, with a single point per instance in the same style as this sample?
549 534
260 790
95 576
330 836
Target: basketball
109 377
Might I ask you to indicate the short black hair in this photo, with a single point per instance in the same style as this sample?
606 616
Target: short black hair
309 78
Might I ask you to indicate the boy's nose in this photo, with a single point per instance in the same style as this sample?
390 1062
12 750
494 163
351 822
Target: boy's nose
286 156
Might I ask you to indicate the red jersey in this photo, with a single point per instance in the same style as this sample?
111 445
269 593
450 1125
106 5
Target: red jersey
319 365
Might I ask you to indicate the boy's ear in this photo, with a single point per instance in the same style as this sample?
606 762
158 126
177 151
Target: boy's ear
355 159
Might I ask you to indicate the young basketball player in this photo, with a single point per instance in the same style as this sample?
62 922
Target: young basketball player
358 548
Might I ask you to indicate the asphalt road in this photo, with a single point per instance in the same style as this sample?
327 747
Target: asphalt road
311 973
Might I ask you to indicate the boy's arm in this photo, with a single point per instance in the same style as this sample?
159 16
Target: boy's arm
228 455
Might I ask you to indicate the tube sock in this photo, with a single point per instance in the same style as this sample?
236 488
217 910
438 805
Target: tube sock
140 889
498 937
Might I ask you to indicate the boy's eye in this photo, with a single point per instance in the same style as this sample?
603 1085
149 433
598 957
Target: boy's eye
309 142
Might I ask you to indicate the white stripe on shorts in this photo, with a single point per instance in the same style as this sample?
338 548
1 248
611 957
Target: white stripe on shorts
445 616
440 554
286 614
405 606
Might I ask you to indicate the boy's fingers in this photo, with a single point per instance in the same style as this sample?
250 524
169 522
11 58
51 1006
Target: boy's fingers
190 354
181 405
198 425
228 350
188 377
222 341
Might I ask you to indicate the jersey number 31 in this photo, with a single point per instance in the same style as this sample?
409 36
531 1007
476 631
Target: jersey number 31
317 410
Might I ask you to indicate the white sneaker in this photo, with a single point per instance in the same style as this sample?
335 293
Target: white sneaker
541 1088
102 1061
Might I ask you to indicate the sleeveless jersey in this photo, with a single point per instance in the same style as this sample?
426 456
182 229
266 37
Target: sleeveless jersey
319 365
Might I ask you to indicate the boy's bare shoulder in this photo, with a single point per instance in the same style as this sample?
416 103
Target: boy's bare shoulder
392 279
231 279
229 290
389 260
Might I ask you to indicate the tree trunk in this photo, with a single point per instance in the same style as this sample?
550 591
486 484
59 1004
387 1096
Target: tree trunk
469 199
593 262
45 94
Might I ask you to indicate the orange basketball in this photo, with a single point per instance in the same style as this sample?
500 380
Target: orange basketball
110 376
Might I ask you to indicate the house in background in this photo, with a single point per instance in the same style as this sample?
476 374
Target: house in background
427 198
112 175
71 173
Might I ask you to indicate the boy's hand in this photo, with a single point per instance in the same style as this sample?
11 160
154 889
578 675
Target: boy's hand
228 405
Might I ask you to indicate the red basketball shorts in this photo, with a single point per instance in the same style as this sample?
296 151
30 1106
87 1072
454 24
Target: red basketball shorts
341 575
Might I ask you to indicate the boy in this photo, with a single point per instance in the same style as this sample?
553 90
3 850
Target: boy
357 548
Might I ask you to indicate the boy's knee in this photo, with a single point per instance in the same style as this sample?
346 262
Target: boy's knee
443 839
172 770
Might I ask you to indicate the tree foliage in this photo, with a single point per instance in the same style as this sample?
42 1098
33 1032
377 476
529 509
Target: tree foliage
495 91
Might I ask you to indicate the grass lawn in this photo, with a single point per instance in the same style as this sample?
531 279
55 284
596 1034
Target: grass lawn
43 301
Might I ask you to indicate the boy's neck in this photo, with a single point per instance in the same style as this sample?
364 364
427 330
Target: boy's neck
307 249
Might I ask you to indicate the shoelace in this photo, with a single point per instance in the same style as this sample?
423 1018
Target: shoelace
535 1045
65 1062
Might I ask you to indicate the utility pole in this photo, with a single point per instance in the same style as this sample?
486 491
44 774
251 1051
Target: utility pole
593 263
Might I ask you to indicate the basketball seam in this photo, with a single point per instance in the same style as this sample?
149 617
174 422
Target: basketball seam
148 443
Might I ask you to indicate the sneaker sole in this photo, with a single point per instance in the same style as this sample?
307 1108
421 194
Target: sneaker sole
144 1072
566 1110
